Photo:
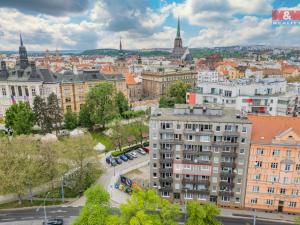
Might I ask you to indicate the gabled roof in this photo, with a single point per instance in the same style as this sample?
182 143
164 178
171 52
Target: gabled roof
266 128
129 79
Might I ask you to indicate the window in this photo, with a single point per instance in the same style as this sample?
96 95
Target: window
276 152
253 201
273 179
285 180
244 129
241 161
237 200
154 165
20 90
274 165
287 167
243 140
214 188
239 180
288 153
271 190
188 195
165 194
69 108
4 91
259 151
155 146
218 128
225 198
154 184
216 169
297 180
242 151
205 138
258 164
202 197
177 177
178 127
240 171
292 204
255 189
154 155
33 92
282 191
177 186
216 159
269 202
154 175
68 99
214 180
298 167
256 177
294 192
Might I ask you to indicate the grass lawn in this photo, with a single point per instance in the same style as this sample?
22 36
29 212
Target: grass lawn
56 193
130 130
27 203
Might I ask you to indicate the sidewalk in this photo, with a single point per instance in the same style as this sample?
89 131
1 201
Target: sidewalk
289 219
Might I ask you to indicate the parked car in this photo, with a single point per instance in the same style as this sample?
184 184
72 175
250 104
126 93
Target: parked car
118 160
54 222
141 151
113 162
128 156
133 154
147 150
108 159
124 158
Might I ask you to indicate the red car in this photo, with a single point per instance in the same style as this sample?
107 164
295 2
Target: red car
146 149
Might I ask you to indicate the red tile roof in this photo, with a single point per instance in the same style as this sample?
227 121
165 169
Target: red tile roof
265 128
129 79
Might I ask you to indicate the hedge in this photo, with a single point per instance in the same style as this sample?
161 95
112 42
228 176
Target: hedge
131 114
125 149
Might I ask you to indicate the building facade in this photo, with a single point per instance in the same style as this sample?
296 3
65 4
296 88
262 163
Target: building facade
273 180
156 83
199 153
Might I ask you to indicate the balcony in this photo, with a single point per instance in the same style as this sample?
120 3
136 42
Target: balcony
166 160
166 170
195 181
198 162
226 184
228 164
226 193
166 141
165 179
168 188
227 143
229 154
227 174
169 130
166 150
199 191
231 133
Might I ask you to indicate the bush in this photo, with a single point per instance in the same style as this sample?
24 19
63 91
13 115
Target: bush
146 144
125 150
116 153
132 114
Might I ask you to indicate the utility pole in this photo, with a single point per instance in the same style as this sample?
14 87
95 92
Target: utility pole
254 217
62 190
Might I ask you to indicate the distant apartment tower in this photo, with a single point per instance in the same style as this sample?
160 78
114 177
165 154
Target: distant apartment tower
273 180
199 153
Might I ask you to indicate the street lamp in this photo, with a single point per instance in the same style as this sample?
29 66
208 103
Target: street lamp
45 214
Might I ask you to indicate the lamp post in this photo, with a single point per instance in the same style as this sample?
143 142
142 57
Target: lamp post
45 214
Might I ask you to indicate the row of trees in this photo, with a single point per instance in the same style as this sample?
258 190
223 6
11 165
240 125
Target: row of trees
26 163
103 103
143 208
176 94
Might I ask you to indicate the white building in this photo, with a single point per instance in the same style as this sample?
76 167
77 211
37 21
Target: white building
267 95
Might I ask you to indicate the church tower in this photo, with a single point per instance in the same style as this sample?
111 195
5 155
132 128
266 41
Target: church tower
178 40
23 55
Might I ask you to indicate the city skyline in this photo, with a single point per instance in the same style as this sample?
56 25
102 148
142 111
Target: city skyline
82 25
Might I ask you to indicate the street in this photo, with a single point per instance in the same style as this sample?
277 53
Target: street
32 217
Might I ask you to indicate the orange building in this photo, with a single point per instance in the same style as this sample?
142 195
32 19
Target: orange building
273 182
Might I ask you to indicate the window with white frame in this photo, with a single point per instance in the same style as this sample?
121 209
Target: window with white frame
253 201
274 165
285 180
244 129
271 190
258 164
276 152
165 194
287 167
297 180
297 167
237 200
225 199
269 202
255 189
256 177
202 197
259 151
292 204
154 156
273 179
205 138
242 151
294 192
288 153
188 195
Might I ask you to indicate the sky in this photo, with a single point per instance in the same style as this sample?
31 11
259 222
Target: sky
90 24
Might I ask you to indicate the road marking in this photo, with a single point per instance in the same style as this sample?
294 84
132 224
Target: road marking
28 217
7 219
58 211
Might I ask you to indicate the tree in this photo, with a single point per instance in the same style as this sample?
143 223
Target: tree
96 209
85 117
142 209
54 110
140 128
202 214
121 102
71 120
41 114
176 94
297 221
101 104
82 157
20 118
18 165
118 135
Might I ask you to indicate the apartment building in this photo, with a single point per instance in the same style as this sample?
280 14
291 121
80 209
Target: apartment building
266 95
199 153
273 180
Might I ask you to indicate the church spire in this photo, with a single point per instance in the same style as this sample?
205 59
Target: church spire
21 40
178 28
120 44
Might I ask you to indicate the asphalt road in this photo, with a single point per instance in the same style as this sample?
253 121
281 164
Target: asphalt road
26 216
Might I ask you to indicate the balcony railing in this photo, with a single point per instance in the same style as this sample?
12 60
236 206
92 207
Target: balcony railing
226 184
226 193
227 174
228 164
165 179
166 160
166 170
229 154
195 181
